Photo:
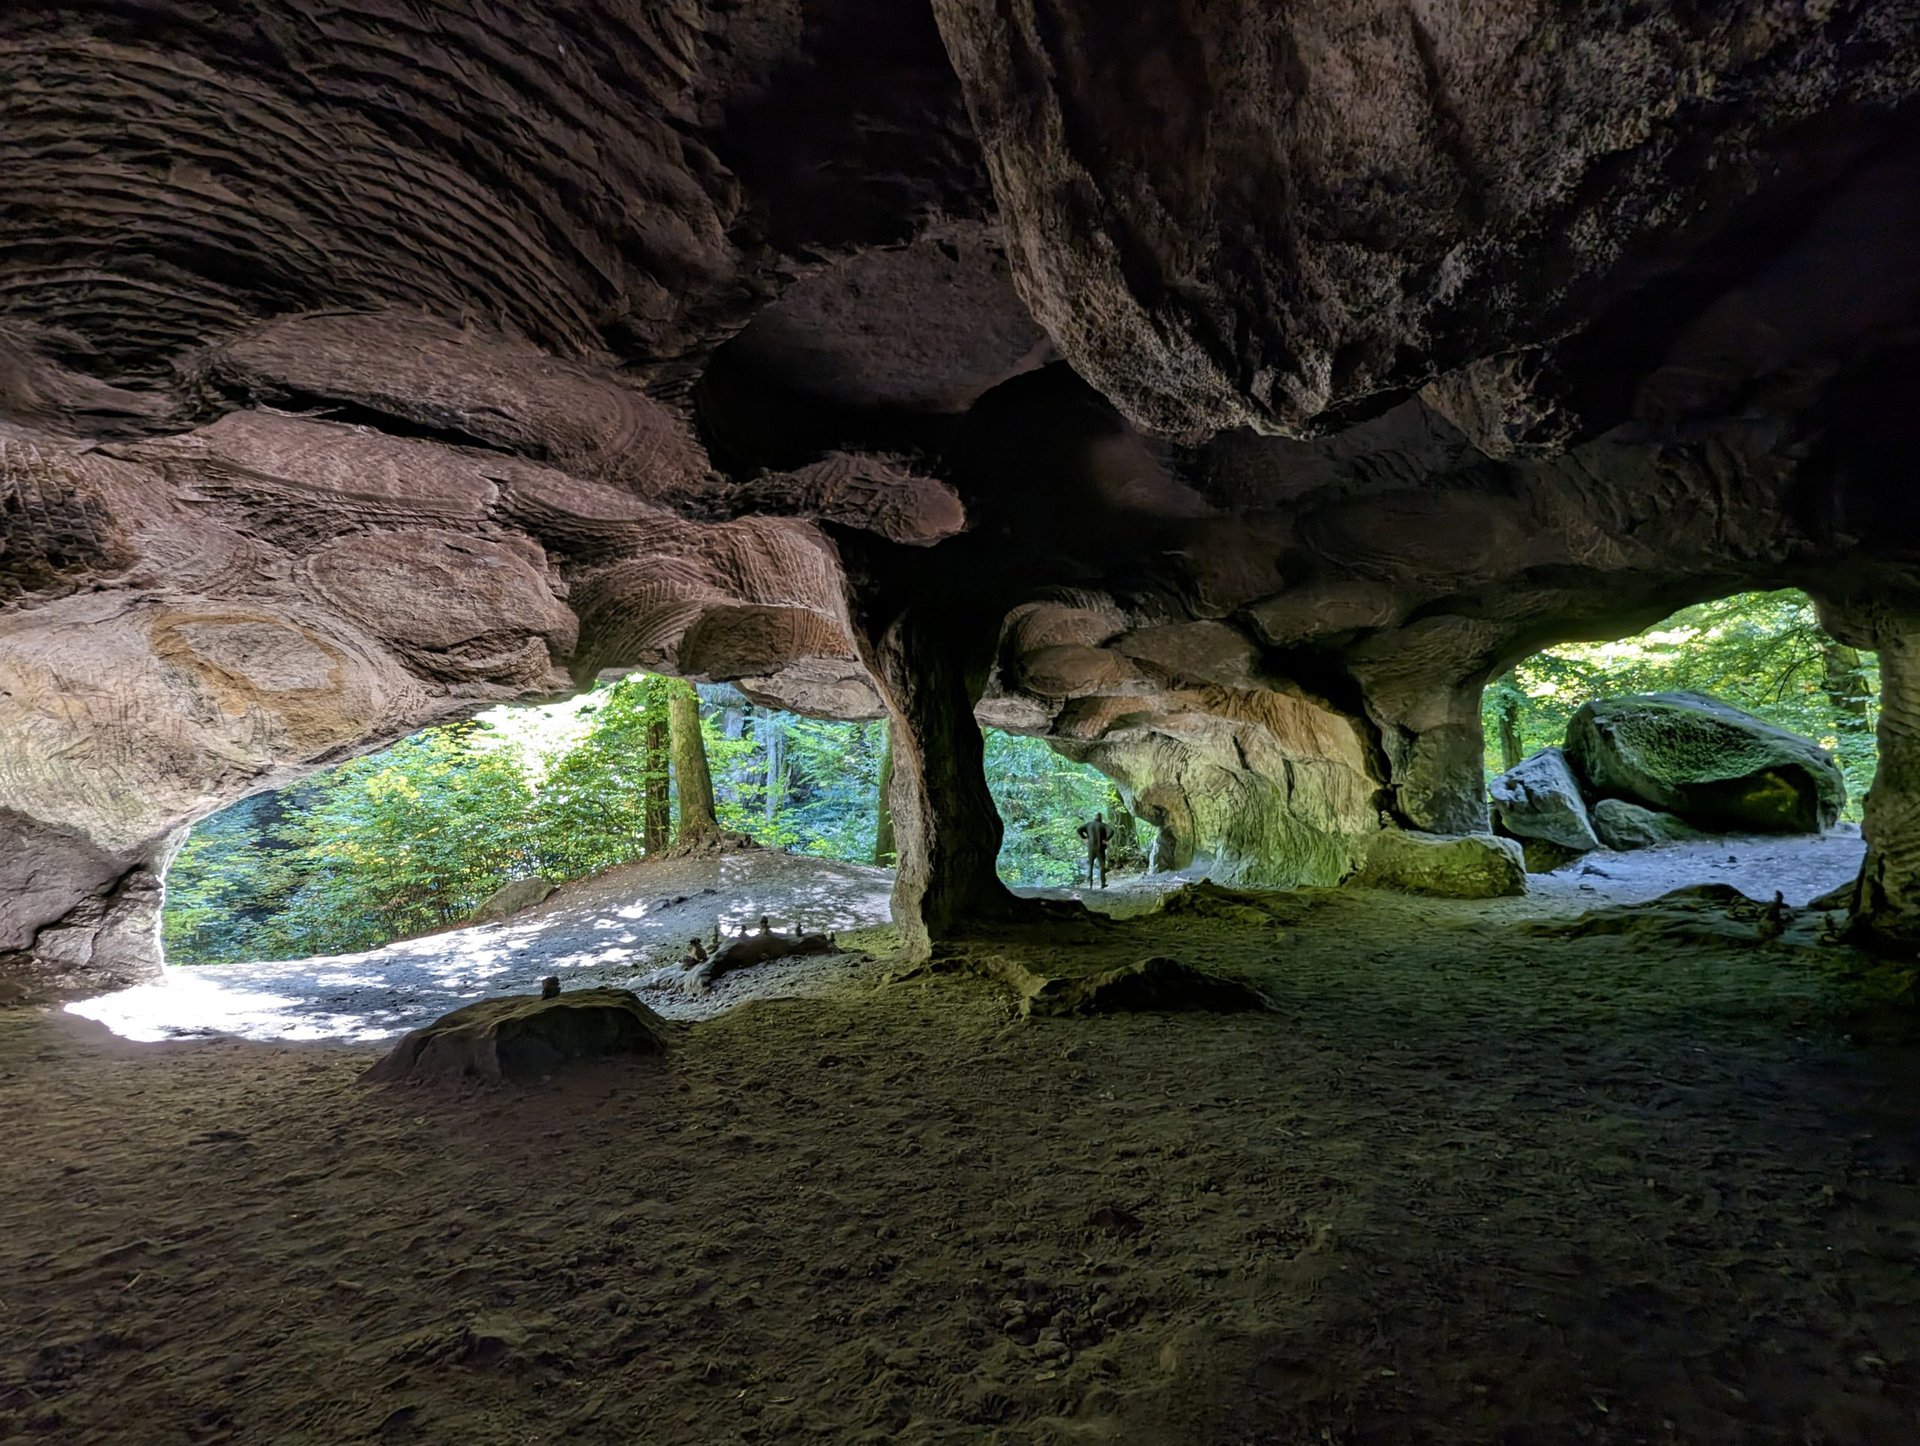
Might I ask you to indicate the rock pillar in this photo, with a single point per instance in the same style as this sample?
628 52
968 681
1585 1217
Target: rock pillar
1436 760
1887 900
947 828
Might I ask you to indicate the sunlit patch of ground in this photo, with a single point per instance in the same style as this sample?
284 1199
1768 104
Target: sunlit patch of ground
613 929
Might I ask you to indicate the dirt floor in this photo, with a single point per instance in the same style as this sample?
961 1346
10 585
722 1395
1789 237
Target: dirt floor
1490 1173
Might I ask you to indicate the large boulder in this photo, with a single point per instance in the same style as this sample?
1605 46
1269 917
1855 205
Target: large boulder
522 1037
1540 799
1471 866
1625 826
1717 767
510 899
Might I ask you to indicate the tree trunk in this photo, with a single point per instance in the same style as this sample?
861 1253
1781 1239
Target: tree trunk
733 727
1511 754
885 853
690 769
658 813
774 730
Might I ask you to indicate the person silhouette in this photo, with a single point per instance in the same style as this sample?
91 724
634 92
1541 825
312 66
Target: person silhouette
1098 835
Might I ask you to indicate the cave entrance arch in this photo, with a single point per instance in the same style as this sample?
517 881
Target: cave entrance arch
1550 720
333 908
1043 796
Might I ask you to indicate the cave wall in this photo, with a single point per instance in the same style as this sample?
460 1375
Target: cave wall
1223 392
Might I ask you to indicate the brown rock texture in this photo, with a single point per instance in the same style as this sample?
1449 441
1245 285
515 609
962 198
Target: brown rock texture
1223 392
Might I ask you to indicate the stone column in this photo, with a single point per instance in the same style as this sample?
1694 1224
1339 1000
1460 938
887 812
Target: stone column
1436 759
946 826
1887 899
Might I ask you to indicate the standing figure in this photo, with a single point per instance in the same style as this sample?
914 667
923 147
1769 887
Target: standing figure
1097 835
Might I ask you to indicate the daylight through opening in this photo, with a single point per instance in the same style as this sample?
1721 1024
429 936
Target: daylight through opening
1732 742
459 823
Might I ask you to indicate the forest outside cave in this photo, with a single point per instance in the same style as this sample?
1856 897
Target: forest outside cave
1748 677
415 838
1764 652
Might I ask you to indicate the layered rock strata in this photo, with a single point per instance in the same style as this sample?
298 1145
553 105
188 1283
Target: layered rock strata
1222 392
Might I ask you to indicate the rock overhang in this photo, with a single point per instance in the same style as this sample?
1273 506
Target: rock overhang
335 400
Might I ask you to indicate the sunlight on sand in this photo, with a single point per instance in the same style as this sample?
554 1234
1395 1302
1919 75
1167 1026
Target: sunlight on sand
184 1003
375 995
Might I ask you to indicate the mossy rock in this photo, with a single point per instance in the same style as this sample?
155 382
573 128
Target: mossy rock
1624 826
1542 857
1204 899
1715 766
1466 866
523 1036
1540 799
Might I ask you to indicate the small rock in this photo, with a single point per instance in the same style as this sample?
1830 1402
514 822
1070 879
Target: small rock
521 1037
1115 1220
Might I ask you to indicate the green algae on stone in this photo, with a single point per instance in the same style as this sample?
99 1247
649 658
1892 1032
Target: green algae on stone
1469 866
1715 766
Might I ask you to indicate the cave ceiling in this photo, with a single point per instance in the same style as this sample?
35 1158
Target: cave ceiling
1235 386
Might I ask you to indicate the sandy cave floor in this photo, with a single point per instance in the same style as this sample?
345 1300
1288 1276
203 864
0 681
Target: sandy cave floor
1474 1181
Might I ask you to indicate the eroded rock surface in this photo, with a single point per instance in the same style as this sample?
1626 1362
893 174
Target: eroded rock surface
1541 799
1223 392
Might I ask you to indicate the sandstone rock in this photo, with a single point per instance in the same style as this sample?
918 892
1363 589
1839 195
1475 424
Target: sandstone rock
523 1037
1624 826
1474 866
734 342
1716 766
1540 799
1542 857
512 898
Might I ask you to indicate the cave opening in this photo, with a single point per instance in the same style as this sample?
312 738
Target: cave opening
1732 741
349 904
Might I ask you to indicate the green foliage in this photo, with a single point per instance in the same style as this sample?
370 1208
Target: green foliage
592 795
1764 652
401 842
1043 798
833 783
415 837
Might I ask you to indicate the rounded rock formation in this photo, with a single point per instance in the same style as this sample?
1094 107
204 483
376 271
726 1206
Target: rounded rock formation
1715 766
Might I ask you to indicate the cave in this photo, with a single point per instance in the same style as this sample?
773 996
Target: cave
1227 396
